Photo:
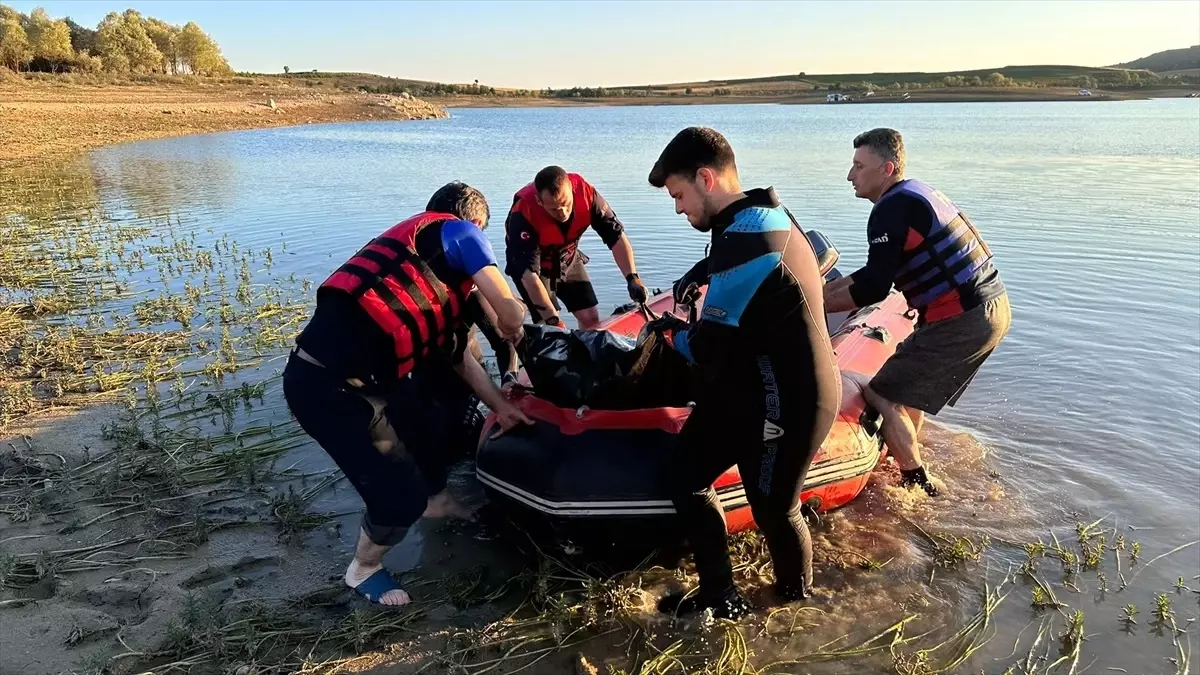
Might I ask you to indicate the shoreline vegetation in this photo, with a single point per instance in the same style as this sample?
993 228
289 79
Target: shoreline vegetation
155 515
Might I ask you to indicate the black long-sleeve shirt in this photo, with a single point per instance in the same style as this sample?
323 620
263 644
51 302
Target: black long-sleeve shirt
887 232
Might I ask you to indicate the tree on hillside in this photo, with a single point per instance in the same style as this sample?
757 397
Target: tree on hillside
166 38
199 52
286 70
15 51
124 46
82 39
50 40
7 13
997 80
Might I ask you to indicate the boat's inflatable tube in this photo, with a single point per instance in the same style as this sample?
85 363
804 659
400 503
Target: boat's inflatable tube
581 465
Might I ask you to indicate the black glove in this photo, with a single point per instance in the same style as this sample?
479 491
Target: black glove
666 323
637 289
686 289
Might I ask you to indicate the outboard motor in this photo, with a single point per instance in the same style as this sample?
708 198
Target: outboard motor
827 255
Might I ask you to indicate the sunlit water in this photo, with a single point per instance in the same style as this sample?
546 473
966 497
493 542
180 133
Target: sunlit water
1090 409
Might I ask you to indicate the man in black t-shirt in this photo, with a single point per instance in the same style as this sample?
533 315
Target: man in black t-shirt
925 246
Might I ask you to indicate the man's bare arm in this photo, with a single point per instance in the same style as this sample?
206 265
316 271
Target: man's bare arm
622 253
837 295
537 292
509 311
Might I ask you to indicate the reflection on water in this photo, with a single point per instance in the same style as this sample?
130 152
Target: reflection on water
150 187
1090 411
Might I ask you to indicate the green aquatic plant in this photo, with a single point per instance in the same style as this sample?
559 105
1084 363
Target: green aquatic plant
1128 612
1162 607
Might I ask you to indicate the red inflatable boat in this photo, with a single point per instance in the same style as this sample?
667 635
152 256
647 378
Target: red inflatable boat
581 466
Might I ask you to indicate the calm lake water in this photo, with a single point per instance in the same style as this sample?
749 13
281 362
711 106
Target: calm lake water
1090 409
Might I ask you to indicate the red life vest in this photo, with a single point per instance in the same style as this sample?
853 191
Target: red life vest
401 293
557 242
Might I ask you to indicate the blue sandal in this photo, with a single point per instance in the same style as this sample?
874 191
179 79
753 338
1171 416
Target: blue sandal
376 586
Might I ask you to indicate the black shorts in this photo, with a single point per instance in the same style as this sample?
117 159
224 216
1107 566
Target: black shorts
574 289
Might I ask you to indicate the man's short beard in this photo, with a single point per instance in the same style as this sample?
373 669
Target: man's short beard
708 215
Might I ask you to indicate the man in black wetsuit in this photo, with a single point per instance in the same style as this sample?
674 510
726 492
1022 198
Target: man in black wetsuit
921 243
772 388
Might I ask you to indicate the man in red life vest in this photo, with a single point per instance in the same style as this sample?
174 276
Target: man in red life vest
390 326
541 237
921 243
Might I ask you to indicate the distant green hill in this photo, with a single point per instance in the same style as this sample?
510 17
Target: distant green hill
1024 73
1133 74
1041 74
1187 58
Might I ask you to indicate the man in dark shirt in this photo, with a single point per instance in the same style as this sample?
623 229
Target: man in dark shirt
925 246
541 237
385 347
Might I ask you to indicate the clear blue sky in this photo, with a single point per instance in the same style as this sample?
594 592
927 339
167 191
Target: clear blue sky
566 43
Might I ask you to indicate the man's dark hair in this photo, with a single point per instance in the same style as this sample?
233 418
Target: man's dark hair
550 178
886 143
692 149
461 200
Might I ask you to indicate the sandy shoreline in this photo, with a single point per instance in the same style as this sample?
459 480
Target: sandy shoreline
37 120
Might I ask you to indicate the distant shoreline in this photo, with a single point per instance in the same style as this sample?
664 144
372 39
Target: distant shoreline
974 95
41 118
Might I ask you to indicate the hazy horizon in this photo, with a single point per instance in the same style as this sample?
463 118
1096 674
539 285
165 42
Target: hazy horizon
563 44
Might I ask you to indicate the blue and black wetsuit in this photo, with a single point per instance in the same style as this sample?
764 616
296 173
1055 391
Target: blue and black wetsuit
772 390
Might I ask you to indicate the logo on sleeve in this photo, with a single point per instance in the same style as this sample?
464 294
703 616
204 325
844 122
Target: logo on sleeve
880 240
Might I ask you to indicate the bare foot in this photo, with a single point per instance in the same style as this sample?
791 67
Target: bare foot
442 505
357 573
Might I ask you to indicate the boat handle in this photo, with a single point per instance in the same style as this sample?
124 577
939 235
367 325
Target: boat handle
879 333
